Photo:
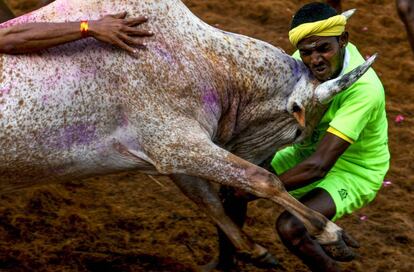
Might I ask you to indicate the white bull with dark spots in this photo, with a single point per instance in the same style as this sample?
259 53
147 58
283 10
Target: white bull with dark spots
197 104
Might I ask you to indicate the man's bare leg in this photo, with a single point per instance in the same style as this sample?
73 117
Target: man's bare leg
405 10
295 237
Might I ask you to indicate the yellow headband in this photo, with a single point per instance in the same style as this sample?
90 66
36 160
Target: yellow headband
333 26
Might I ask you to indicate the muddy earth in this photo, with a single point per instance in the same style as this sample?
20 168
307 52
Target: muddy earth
129 222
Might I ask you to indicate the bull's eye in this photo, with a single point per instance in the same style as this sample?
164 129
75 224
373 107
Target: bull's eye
298 133
296 108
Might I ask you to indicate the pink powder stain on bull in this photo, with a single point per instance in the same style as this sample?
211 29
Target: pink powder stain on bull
211 100
5 91
52 81
45 100
70 136
62 7
79 134
164 54
26 18
124 119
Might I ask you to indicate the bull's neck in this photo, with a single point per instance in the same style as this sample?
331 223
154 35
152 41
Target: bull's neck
261 79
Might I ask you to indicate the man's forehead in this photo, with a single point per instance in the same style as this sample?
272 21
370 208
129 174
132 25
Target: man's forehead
313 42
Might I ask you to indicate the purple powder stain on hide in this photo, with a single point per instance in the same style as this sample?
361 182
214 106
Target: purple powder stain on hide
61 7
82 134
51 82
70 136
24 19
163 53
122 116
210 100
4 91
124 119
45 100
296 69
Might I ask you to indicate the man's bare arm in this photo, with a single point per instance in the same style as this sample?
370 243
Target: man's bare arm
317 165
112 29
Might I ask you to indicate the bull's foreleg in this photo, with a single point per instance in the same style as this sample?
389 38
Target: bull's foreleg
205 196
195 155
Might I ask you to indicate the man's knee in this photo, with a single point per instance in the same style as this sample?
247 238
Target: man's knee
290 228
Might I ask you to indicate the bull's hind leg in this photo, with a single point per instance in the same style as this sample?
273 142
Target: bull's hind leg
189 151
205 196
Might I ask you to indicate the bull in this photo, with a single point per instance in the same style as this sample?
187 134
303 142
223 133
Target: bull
199 104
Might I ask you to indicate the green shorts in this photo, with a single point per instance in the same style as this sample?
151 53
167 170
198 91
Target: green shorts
351 188
349 192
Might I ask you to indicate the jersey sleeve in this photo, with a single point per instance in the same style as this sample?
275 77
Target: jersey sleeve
356 109
289 157
296 55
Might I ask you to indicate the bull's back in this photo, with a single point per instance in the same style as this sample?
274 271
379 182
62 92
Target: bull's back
61 109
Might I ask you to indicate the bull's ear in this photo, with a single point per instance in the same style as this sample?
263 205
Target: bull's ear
325 92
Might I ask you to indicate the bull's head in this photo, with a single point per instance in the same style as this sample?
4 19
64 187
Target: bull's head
310 98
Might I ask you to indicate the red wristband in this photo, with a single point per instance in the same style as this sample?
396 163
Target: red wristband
84 27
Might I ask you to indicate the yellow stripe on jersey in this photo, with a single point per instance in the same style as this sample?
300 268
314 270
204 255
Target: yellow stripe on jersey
340 135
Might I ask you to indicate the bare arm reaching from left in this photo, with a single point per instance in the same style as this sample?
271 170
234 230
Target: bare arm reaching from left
113 29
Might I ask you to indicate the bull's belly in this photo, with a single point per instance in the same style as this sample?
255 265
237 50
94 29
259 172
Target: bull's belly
29 163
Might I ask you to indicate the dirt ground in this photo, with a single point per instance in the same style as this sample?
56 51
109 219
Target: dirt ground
128 222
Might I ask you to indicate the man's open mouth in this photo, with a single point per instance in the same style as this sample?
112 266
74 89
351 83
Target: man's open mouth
320 70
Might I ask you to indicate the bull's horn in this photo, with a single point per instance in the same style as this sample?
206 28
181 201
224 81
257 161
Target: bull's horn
348 13
327 90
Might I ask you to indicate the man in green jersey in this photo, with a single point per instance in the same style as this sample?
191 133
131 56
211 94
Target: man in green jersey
340 168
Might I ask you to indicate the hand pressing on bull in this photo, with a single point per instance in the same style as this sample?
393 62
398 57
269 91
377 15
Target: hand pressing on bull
113 29
121 32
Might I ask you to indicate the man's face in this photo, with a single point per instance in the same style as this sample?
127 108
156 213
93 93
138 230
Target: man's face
324 56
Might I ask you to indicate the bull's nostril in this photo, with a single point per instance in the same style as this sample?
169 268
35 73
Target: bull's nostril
298 133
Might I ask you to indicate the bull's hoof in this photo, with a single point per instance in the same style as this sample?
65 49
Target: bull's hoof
265 260
339 250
